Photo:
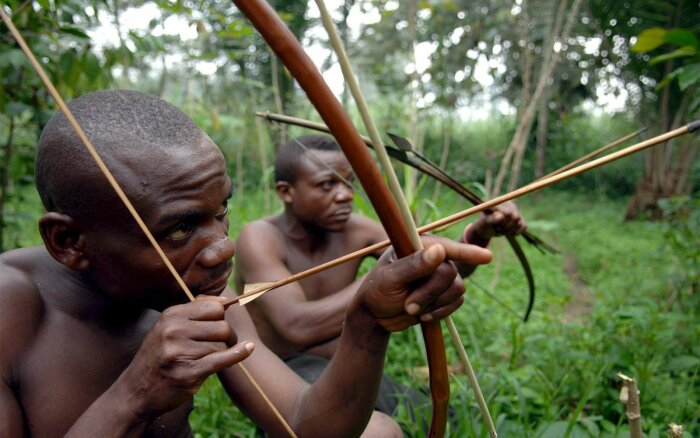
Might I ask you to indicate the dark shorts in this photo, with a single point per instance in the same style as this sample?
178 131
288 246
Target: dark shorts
391 393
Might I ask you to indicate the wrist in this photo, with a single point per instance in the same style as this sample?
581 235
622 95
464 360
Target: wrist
133 402
115 413
363 330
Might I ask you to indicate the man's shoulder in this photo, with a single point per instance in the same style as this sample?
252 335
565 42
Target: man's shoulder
21 304
260 237
369 228
16 269
264 229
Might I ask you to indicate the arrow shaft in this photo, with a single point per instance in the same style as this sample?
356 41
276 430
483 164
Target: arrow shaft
449 220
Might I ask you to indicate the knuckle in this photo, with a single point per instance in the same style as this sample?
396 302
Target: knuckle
169 355
225 331
170 312
448 270
171 331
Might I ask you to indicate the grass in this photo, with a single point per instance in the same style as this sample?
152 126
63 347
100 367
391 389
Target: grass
607 303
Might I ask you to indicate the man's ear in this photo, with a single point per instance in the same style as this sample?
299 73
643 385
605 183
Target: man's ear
285 191
64 240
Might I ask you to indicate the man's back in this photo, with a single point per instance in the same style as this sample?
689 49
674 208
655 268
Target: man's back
51 381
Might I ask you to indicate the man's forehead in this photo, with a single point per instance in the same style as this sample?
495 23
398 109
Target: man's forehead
317 161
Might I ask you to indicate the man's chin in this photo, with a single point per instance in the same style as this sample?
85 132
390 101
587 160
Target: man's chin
169 301
336 227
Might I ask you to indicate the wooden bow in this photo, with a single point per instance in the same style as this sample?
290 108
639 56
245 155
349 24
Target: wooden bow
291 53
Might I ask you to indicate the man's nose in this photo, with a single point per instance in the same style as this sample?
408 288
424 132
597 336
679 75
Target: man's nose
344 193
218 252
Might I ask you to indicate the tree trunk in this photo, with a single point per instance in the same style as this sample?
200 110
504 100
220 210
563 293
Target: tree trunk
542 125
408 172
446 139
516 149
281 128
666 167
344 32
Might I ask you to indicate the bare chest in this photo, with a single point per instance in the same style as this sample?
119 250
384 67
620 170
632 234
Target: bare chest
328 281
69 365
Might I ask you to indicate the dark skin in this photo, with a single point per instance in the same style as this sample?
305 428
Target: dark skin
317 226
98 340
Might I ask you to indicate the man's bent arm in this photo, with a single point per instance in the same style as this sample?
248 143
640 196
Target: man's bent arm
303 323
336 405
112 415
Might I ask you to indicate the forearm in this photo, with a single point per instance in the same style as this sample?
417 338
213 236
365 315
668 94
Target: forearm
312 323
116 413
326 349
345 394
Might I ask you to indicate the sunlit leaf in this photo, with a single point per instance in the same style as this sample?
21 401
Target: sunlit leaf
649 39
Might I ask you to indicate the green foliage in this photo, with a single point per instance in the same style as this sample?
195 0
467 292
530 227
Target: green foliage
478 146
682 235
687 51
603 306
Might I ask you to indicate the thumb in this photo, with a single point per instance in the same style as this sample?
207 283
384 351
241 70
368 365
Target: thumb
495 217
417 265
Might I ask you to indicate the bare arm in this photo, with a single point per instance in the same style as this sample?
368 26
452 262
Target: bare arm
336 405
304 323
20 314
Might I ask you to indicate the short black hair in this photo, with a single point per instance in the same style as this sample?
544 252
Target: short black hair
290 154
119 123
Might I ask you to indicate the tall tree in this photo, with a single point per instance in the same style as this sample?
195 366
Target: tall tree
662 105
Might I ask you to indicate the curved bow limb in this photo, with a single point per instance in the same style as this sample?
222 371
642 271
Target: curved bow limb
122 195
289 50
439 423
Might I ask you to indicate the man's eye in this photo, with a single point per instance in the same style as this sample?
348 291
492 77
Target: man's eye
327 185
181 232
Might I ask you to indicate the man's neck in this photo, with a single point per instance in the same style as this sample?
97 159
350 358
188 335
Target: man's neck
75 294
305 236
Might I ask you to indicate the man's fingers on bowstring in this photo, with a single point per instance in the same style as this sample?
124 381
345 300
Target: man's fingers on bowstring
203 308
441 289
211 331
219 360
461 252
195 350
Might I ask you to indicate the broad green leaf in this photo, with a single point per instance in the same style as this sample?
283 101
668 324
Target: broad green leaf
13 57
16 108
681 37
683 363
689 75
75 32
649 39
45 4
91 66
678 53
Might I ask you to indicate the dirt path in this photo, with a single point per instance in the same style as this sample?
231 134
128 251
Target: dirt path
581 303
